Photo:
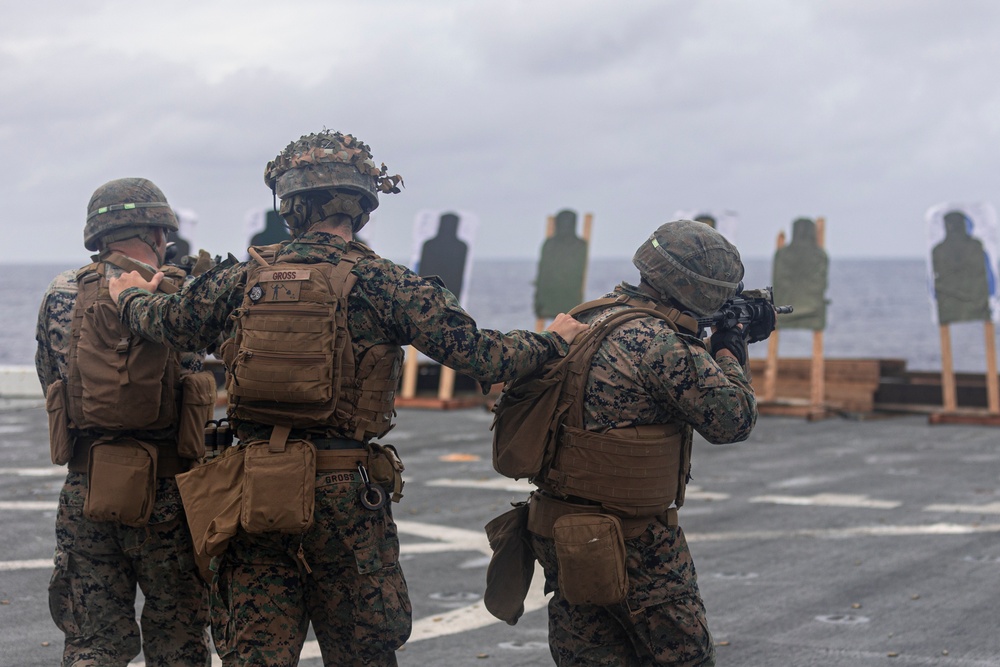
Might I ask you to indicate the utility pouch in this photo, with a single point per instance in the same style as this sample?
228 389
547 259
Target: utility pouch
386 469
60 439
212 495
508 576
121 482
197 405
590 552
279 484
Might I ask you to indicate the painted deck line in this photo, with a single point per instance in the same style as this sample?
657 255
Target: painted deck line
33 505
989 508
52 471
829 500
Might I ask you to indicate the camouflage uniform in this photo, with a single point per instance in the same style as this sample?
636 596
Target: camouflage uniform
645 373
343 574
99 564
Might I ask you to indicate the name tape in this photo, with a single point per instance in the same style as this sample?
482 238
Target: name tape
275 276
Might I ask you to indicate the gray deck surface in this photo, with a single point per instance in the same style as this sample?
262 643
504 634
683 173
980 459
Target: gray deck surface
833 543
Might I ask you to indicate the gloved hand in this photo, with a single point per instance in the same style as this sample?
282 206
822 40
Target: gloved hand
732 340
760 329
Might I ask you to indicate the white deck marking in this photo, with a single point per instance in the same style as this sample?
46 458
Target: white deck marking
494 484
843 533
52 471
29 505
829 500
37 564
989 508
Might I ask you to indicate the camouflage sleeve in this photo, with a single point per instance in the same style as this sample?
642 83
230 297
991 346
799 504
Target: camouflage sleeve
192 319
429 317
52 332
712 396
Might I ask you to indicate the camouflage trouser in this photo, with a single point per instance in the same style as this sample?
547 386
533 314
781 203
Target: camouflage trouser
97 567
661 622
343 574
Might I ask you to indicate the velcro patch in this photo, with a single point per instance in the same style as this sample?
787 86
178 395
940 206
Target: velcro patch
282 291
281 275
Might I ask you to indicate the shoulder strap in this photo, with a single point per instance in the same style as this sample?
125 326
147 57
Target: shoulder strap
582 352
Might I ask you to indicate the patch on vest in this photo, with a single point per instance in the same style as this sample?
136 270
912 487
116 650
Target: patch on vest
282 291
335 478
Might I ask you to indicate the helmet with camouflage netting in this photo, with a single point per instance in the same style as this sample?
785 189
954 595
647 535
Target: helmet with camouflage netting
690 263
330 171
125 208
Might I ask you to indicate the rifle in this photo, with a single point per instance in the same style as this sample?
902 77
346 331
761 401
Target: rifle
748 307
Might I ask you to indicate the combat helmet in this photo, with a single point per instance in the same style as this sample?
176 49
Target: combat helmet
690 263
125 208
339 164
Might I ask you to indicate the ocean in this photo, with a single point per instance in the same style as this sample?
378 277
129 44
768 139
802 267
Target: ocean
878 309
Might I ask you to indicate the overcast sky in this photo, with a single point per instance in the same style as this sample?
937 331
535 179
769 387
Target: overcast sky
865 112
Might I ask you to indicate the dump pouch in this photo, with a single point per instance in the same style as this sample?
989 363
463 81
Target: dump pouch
197 406
590 552
212 496
279 484
60 439
508 576
121 482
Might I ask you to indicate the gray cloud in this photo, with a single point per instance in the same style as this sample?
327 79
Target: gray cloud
867 113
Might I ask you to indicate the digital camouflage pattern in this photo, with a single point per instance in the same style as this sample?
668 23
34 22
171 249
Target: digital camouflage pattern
389 305
122 208
263 590
646 373
329 160
692 263
661 621
349 583
99 564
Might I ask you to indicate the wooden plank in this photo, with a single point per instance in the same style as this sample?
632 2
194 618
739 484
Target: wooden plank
947 373
771 366
409 388
992 383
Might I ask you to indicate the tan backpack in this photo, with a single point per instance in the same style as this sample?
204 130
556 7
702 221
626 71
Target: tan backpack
118 381
285 362
532 410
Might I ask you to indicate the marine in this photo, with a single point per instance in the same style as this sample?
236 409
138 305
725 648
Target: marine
336 562
603 520
112 537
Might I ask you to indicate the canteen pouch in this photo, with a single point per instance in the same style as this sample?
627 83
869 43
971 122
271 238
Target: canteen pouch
60 440
121 482
590 552
512 565
279 487
197 406
212 496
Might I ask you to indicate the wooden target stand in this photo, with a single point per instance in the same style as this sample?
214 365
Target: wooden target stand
950 412
815 407
550 230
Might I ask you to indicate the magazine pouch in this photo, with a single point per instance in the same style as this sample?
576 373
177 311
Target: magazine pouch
197 406
60 439
590 552
508 576
279 485
121 481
